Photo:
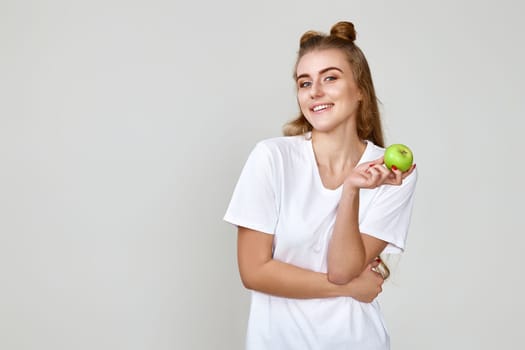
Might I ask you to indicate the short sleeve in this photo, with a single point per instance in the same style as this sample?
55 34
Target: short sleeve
388 217
254 200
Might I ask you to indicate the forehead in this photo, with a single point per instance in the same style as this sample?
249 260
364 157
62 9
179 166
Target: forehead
317 60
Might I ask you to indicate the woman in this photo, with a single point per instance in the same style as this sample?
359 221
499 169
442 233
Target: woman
316 207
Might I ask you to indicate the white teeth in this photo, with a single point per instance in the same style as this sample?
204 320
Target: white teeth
320 107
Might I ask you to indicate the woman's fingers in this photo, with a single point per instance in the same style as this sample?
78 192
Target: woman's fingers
409 171
373 174
371 164
397 177
380 174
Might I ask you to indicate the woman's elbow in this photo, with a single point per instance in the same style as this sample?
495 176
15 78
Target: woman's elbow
247 282
342 277
250 278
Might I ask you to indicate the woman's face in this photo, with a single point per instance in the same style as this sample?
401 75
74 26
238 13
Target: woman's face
326 90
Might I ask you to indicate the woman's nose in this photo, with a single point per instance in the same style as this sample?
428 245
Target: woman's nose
316 90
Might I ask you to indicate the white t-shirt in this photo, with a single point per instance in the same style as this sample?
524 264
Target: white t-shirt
280 192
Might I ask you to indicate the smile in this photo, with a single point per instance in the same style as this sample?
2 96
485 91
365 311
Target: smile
322 107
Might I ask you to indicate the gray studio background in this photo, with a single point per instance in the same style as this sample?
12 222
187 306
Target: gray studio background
124 126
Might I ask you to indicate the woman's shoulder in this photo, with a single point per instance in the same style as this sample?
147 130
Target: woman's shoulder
282 149
283 143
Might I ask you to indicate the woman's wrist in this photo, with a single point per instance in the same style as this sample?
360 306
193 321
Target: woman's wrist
350 190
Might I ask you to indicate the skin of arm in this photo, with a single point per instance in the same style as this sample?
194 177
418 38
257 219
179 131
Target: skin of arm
260 272
349 250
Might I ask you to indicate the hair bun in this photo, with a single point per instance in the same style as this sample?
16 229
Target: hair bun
308 36
344 30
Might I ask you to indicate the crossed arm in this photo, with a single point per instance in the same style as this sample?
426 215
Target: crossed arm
351 254
260 272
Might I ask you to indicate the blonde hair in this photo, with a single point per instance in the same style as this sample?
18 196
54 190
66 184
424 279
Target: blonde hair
342 36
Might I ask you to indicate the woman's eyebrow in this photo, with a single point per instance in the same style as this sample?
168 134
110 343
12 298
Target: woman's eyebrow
324 70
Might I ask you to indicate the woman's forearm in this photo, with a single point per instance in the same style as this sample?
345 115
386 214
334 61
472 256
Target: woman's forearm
346 251
261 272
285 280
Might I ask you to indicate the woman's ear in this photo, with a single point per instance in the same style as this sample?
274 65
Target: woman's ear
359 91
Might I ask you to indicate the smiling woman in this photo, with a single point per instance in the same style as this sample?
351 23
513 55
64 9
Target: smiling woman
368 123
326 87
316 207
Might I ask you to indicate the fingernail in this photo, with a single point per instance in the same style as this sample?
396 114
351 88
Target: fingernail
414 166
378 259
371 165
394 167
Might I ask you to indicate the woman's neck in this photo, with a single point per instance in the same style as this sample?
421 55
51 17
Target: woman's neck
337 151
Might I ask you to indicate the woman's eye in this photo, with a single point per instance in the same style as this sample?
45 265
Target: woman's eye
330 78
304 84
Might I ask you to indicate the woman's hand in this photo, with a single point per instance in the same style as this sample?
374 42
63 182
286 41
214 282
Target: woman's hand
374 174
367 286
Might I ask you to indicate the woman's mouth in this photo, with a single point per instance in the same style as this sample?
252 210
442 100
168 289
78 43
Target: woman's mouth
322 107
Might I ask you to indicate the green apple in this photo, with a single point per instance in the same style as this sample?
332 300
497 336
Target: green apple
400 156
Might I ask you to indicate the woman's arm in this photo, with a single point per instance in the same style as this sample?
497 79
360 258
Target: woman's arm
260 272
349 250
